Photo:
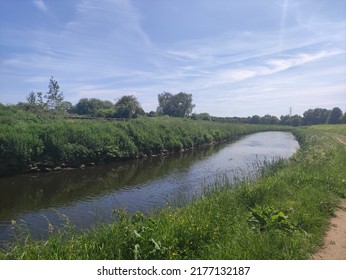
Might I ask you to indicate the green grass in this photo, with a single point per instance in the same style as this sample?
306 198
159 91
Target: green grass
282 215
335 129
51 140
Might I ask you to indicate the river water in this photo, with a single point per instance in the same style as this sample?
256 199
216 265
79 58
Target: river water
87 196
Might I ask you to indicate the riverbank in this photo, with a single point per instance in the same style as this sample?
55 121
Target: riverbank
37 143
283 215
334 243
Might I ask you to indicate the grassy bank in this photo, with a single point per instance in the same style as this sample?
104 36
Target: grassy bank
283 215
32 142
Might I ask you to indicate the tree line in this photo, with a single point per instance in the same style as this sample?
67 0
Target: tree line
310 117
174 105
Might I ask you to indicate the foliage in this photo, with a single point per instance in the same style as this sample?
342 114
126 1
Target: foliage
283 215
201 116
315 116
267 218
335 116
54 96
35 99
295 120
268 119
128 107
27 138
178 105
92 106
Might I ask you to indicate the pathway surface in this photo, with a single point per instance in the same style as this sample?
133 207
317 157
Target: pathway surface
334 247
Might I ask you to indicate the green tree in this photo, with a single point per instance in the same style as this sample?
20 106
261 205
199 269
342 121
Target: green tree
268 119
315 116
201 116
93 107
31 98
178 105
35 101
343 119
54 96
256 119
296 120
335 116
66 106
128 107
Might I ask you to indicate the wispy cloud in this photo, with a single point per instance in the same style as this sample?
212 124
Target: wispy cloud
266 66
40 5
109 48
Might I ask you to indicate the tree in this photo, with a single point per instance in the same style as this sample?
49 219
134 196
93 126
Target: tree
54 96
93 107
35 101
128 107
31 98
315 116
256 119
344 118
179 105
268 119
66 106
296 120
335 116
201 116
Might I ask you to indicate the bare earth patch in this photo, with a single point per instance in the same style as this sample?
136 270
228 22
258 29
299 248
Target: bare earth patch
341 139
334 247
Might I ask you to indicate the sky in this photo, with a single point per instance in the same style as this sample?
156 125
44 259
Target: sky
237 58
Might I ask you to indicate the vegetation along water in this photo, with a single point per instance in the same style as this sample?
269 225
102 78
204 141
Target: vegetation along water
32 142
89 196
282 215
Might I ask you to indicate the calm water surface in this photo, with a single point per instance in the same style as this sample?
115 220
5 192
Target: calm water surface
90 195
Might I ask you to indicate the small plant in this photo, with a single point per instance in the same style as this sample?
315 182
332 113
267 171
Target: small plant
266 218
139 232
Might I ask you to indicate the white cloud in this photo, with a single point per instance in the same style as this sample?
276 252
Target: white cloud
278 65
262 67
41 5
103 49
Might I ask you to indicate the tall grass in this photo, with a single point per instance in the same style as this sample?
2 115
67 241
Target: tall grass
28 139
335 129
282 215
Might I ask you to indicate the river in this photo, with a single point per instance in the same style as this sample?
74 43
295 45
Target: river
87 196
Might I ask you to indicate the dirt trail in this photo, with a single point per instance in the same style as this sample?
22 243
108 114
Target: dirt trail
341 139
334 247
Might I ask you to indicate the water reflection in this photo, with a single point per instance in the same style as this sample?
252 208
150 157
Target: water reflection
89 195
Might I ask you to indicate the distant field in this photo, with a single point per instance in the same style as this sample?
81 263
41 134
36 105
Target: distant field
336 128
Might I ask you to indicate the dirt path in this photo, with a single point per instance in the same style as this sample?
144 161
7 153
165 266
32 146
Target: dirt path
334 247
341 139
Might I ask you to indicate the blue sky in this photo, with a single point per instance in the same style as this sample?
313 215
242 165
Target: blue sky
237 58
